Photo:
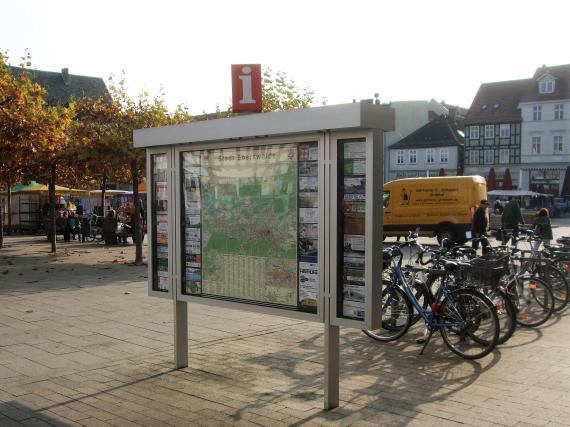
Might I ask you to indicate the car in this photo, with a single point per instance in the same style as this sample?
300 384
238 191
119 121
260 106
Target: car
561 204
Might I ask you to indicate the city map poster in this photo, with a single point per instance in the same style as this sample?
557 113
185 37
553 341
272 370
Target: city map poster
249 211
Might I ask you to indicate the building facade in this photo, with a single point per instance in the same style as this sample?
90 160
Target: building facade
410 116
545 111
522 125
434 149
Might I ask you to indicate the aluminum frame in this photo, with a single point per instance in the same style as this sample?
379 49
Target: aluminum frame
150 230
251 307
373 230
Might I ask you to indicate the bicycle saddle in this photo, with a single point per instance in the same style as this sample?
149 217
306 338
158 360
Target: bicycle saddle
450 265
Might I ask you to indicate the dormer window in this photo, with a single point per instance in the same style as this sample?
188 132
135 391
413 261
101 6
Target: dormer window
546 85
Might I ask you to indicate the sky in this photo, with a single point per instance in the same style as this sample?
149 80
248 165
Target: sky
343 50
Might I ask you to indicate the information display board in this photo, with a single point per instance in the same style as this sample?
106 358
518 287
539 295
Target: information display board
159 222
250 224
277 213
352 223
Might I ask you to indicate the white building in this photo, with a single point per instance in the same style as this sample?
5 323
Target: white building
523 126
410 116
545 136
435 148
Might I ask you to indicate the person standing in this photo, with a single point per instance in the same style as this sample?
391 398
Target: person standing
480 226
542 228
511 219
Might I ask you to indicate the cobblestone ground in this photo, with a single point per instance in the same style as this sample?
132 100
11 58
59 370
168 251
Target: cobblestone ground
82 344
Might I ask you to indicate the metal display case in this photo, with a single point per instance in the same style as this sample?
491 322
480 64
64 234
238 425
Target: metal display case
276 213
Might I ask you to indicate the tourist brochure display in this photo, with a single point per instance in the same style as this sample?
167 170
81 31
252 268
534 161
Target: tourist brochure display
269 213
160 275
352 251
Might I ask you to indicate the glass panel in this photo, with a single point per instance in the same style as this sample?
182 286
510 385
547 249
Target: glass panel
352 199
251 224
160 280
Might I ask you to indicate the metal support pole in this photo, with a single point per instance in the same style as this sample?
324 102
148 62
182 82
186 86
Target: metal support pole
332 366
180 334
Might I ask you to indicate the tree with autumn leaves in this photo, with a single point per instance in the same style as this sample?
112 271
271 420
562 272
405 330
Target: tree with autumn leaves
33 135
91 140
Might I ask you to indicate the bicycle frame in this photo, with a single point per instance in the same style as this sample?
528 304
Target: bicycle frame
428 315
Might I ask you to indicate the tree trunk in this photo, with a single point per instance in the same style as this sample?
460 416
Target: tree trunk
1 226
52 209
136 213
9 211
103 187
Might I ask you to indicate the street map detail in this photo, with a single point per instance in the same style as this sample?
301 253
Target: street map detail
249 220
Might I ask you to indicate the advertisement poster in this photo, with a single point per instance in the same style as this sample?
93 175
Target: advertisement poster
193 247
308 168
309 215
162 227
161 252
309 200
308 247
353 309
353 242
193 220
193 234
353 292
354 259
355 150
308 183
354 167
308 283
309 152
355 185
309 231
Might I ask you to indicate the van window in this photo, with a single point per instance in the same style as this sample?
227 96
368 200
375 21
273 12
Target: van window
386 198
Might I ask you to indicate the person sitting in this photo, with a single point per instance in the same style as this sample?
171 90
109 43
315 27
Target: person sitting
109 231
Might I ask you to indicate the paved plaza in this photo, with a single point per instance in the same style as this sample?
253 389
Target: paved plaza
81 343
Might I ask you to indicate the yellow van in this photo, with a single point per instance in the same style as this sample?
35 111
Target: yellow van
439 206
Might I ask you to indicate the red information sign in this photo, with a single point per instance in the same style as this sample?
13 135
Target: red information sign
246 87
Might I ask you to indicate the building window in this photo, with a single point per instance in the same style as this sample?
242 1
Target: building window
537 112
558 144
504 156
535 145
413 157
489 158
489 131
430 156
400 157
546 86
474 132
474 157
444 155
505 131
559 112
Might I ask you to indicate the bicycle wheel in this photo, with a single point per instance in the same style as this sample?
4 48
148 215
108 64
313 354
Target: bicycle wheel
506 313
558 283
470 326
396 314
533 299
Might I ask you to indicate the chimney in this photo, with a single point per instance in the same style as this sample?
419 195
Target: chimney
65 76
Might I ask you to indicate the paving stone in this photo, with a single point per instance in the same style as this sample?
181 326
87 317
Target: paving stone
96 356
